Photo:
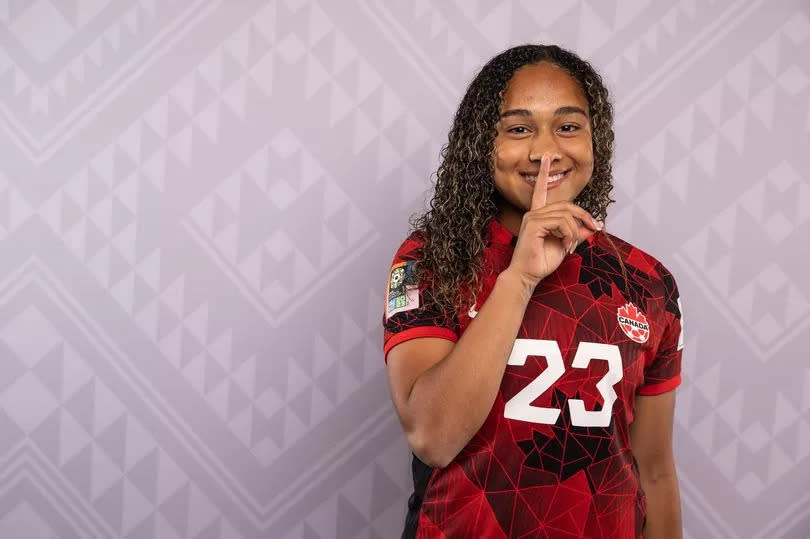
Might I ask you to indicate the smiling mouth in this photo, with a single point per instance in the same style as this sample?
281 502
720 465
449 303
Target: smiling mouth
553 180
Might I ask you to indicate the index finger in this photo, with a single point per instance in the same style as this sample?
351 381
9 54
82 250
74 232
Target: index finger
541 185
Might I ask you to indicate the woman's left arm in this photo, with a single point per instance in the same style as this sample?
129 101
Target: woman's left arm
651 439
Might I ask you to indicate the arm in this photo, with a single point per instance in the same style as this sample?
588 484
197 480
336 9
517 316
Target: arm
444 392
651 440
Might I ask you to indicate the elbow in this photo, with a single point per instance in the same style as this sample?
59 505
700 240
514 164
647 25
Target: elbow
429 449
661 476
658 472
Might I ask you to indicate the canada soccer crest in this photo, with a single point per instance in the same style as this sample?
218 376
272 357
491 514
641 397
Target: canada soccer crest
633 323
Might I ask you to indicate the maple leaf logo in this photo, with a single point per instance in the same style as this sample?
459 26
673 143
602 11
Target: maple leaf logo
633 322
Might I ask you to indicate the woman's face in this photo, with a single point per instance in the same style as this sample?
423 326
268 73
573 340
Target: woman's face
544 110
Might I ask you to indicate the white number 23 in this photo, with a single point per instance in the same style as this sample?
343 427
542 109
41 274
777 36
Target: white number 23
519 407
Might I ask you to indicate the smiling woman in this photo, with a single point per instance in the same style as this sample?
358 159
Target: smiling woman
544 111
532 356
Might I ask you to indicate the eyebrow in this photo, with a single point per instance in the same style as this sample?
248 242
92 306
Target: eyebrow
562 111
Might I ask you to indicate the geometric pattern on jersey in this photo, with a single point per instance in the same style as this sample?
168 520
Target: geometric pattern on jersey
525 476
562 453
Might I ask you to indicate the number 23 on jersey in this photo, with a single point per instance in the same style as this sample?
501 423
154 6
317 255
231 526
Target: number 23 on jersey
519 407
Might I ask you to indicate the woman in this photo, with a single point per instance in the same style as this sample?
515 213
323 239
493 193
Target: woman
531 355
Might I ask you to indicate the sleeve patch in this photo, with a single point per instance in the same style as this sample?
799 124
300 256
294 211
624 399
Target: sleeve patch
401 294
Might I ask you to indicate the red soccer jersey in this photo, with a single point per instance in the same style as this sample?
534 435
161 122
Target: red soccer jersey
553 457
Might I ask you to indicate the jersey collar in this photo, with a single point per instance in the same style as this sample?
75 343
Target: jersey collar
500 234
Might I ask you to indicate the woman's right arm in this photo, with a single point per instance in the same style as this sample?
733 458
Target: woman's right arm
442 391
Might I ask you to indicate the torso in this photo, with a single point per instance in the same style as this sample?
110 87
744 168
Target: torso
548 456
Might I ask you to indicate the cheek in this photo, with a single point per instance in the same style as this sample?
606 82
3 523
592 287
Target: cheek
588 159
503 157
585 155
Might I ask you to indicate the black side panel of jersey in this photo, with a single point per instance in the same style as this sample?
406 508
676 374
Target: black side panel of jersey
421 477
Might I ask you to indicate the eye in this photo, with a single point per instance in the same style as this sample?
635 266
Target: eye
517 130
569 128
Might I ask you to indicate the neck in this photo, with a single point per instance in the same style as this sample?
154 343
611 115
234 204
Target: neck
510 219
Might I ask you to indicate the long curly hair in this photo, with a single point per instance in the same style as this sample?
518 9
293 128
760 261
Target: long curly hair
454 226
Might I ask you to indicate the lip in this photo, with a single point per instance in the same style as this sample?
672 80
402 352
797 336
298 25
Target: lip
549 185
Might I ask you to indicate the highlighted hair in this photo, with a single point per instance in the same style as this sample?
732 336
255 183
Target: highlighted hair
464 198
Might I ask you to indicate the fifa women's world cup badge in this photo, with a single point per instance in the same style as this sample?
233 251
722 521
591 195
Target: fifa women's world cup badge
633 323
401 294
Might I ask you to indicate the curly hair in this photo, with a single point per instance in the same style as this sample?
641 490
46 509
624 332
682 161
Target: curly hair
454 226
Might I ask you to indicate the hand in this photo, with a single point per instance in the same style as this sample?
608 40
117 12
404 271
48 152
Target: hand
548 232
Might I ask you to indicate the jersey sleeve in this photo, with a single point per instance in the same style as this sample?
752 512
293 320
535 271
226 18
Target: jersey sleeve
408 313
664 372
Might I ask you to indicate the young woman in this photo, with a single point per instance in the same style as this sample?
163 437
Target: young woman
531 355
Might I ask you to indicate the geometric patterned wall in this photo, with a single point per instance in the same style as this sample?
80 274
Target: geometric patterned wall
199 200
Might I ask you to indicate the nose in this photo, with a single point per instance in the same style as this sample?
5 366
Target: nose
542 142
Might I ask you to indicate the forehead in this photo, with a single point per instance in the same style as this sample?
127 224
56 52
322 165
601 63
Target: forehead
543 85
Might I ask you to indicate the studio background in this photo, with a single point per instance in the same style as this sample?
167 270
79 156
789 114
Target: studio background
200 200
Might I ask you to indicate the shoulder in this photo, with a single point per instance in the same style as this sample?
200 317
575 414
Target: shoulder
403 270
643 268
635 257
411 247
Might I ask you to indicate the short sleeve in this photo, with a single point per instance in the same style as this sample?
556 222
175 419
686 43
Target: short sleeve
408 313
664 372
